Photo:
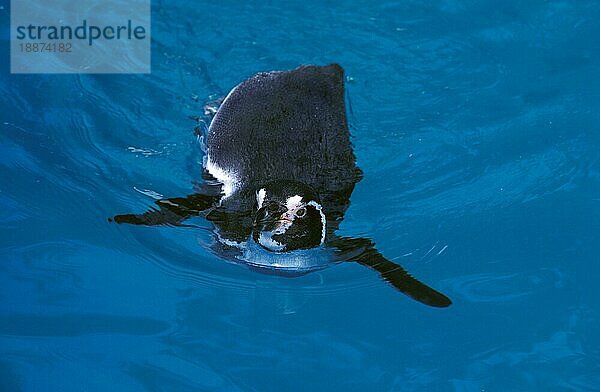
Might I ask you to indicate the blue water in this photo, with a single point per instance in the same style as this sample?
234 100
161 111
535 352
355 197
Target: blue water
477 126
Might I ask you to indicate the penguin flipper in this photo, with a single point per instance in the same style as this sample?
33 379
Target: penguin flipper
363 252
170 212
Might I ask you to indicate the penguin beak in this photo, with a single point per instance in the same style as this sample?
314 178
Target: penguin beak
272 215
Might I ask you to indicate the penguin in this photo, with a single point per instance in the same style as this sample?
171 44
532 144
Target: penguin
279 171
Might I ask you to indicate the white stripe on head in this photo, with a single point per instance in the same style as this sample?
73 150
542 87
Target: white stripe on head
294 202
261 195
323 219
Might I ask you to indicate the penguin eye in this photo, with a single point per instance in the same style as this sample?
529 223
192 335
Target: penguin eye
300 212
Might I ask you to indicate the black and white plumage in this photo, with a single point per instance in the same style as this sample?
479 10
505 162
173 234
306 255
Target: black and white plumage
285 125
280 170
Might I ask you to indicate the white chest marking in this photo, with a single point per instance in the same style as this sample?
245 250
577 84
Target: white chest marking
268 242
260 197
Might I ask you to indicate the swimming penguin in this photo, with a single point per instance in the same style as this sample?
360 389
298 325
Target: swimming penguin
279 171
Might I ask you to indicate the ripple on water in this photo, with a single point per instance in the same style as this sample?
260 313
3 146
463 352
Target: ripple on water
177 253
505 287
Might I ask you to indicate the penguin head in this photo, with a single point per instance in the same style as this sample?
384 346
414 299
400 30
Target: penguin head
288 216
